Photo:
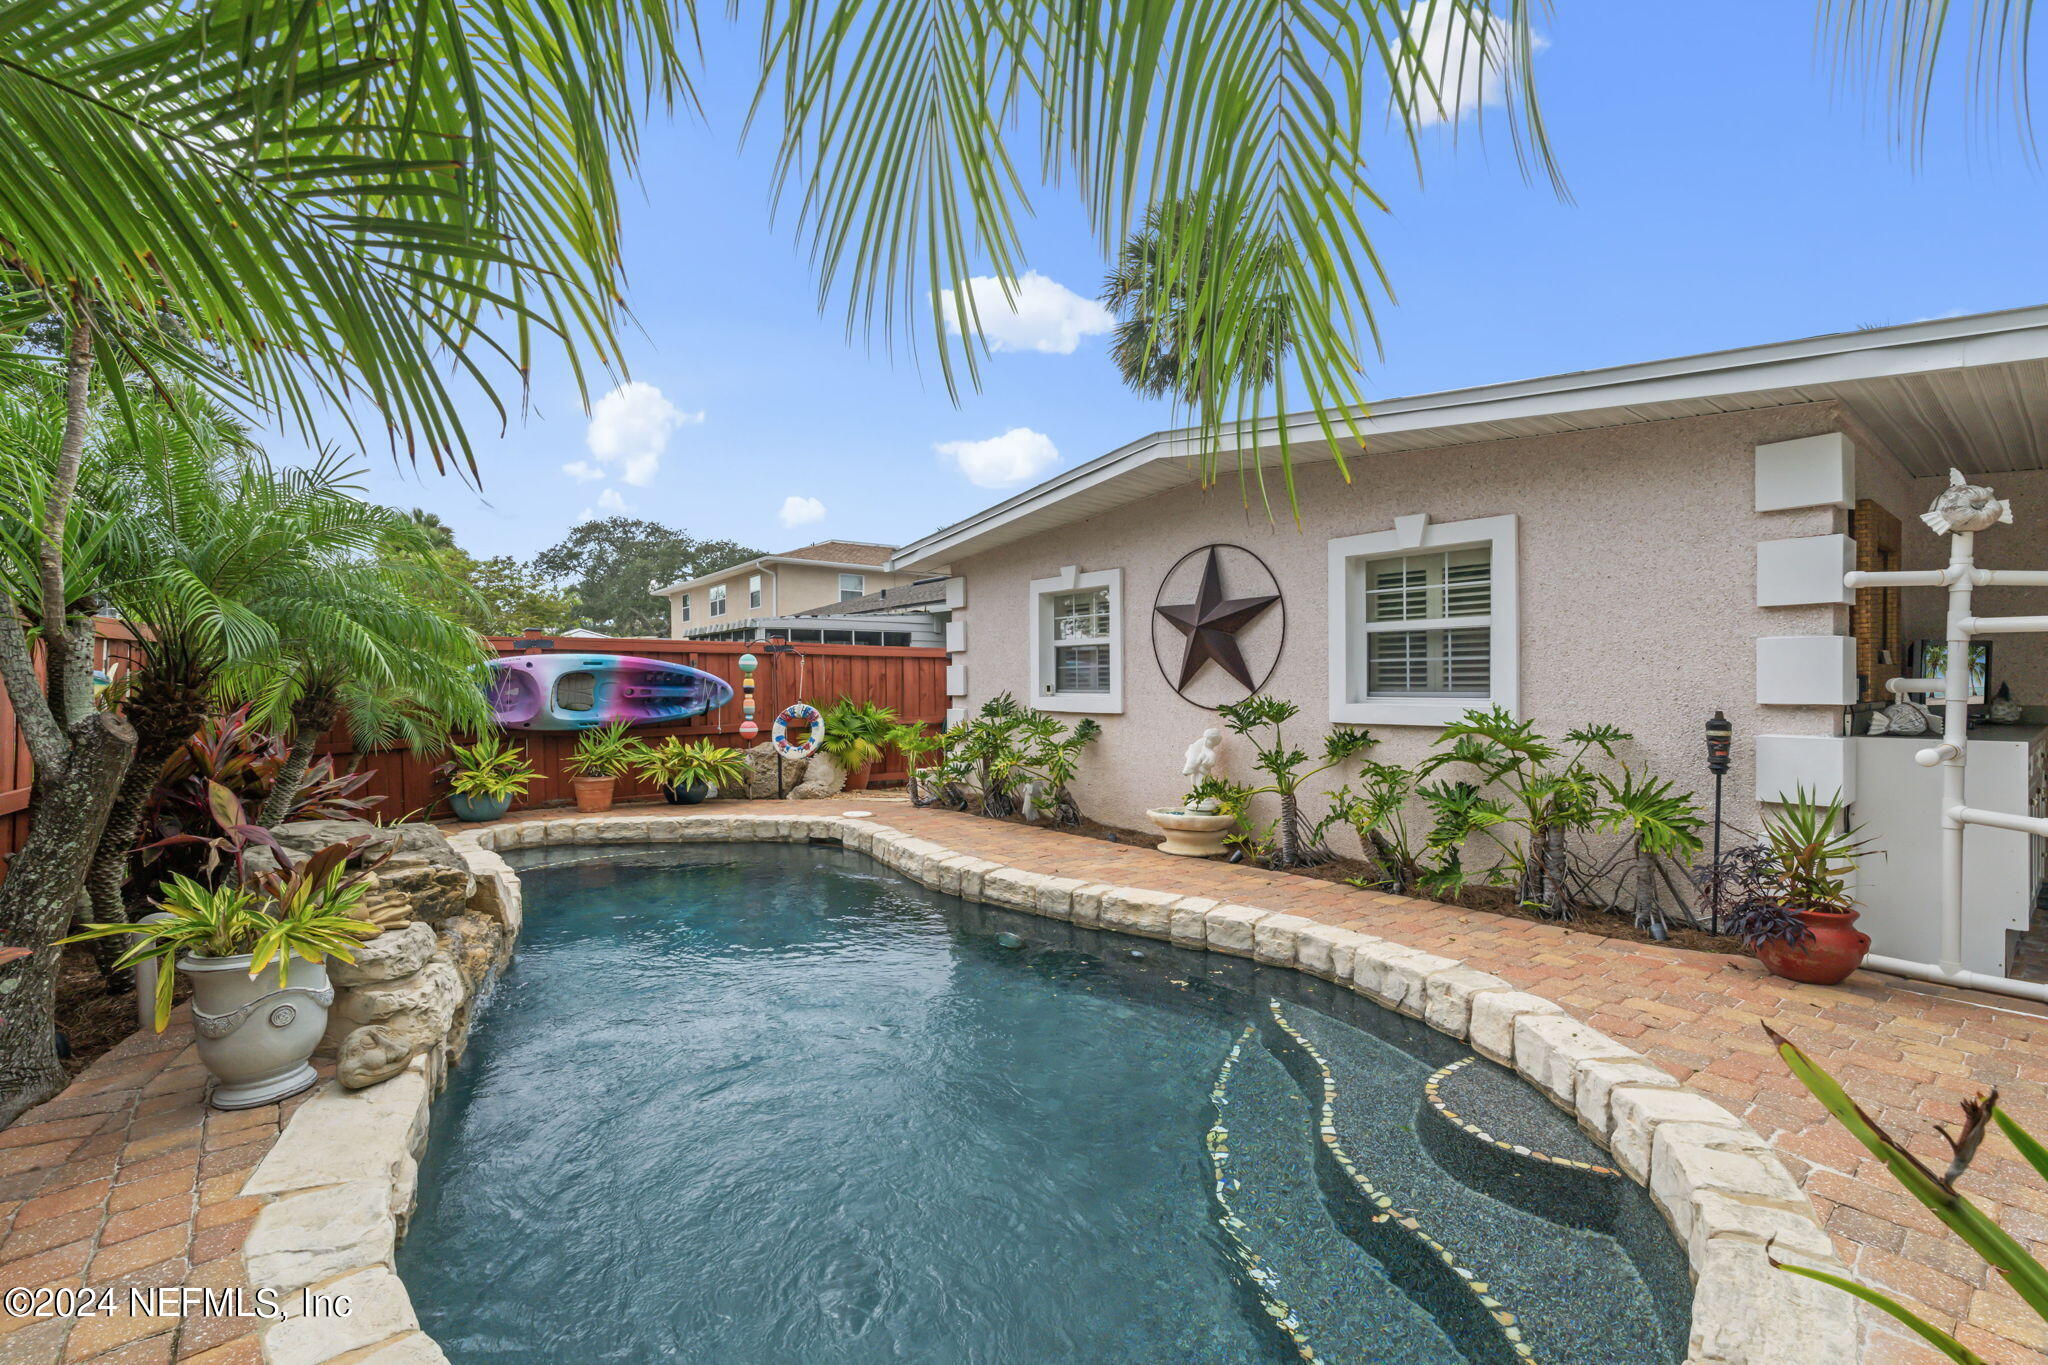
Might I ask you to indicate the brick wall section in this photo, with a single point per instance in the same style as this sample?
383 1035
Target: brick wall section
1874 620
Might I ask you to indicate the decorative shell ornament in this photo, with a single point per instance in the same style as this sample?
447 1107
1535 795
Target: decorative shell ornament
1965 506
1900 718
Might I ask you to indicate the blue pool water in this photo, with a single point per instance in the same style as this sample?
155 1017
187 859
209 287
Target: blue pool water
761 1104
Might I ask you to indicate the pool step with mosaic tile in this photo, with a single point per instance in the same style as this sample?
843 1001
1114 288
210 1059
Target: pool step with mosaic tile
1321 1290
1577 1279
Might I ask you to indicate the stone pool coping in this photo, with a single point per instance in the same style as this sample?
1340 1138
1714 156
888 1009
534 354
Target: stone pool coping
342 1177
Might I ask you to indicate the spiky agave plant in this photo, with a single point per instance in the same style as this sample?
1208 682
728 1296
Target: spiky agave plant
1937 1191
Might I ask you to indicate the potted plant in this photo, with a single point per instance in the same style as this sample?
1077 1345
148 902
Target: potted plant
601 758
1788 897
688 773
258 1014
1195 828
484 777
856 732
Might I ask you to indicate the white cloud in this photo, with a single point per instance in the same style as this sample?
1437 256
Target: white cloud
583 471
1466 60
1040 314
610 501
1017 456
630 427
798 511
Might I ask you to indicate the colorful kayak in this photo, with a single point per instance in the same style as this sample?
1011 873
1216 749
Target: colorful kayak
584 691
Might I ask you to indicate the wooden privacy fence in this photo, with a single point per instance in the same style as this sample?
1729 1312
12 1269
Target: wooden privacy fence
114 643
911 682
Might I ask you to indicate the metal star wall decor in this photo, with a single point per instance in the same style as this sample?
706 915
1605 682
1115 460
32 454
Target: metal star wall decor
1211 623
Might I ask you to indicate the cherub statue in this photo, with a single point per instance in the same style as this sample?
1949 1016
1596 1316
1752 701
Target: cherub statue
1965 506
1201 756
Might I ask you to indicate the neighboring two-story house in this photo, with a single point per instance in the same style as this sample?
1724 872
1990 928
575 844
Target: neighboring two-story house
777 586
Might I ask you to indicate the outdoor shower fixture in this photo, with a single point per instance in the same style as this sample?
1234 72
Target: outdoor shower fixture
1962 510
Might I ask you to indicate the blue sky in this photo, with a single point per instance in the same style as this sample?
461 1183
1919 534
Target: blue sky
1725 191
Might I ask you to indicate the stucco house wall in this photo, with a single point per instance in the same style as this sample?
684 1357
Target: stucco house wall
1638 568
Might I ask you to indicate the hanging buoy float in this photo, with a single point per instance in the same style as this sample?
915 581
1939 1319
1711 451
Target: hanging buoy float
798 731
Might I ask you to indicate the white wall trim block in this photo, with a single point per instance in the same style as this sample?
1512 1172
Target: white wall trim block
1813 471
956 593
956 637
956 680
1804 571
1805 670
1821 764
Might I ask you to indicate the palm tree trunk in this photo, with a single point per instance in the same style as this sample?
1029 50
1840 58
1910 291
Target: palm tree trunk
1554 896
312 716
1646 887
1288 833
165 710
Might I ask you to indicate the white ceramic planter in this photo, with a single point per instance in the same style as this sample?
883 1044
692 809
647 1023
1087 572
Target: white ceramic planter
1192 834
255 1035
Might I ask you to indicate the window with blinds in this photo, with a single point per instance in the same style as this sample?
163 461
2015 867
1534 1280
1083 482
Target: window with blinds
1428 623
1081 640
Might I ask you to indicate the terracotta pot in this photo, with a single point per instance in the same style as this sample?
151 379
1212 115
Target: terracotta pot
857 780
1833 949
593 794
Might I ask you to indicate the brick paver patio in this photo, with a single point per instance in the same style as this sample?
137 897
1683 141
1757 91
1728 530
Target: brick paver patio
127 1179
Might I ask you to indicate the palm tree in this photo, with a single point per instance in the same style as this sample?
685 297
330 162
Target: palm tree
314 208
222 562
374 641
1153 289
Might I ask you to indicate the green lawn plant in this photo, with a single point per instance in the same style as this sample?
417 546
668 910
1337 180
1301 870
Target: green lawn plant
2003 1252
488 770
1388 814
1293 841
856 732
1660 823
1547 791
676 764
915 740
607 752
1017 759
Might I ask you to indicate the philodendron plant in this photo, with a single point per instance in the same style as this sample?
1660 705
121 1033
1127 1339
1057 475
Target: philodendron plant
2002 1251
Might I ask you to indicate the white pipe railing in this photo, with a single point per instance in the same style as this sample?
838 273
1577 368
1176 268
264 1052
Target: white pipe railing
1962 577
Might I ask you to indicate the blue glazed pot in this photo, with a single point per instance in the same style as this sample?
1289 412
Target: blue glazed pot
686 795
478 807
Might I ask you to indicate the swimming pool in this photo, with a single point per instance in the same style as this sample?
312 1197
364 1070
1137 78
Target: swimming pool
765 1103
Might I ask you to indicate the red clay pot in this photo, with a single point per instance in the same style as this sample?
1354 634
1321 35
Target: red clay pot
1833 949
594 794
857 780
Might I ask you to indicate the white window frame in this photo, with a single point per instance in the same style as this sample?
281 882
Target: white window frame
859 589
1038 608
753 592
1416 535
686 605
717 596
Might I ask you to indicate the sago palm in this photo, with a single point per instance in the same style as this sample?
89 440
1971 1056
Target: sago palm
326 209
370 640
214 550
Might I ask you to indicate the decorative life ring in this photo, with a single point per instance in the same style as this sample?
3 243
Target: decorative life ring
805 717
